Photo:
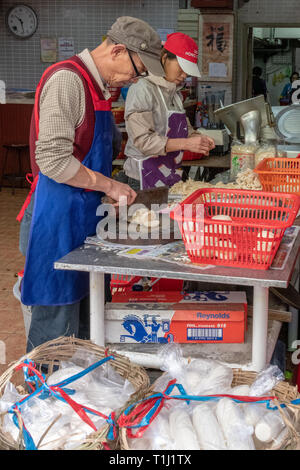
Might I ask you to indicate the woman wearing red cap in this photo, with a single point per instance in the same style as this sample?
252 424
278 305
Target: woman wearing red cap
156 123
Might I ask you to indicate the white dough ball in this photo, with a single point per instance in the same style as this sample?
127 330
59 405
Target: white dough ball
222 217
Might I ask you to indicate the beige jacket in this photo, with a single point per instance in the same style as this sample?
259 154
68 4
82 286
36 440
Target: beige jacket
62 109
146 120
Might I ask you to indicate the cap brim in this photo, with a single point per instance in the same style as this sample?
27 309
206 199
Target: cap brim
152 64
189 67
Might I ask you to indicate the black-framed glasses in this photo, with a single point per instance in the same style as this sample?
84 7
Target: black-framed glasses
137 73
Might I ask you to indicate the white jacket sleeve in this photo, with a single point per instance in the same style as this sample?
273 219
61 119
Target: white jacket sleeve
140 126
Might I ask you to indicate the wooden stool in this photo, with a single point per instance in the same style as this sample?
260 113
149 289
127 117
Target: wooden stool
16 151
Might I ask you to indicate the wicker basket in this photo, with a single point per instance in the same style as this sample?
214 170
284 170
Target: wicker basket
283 391
62 349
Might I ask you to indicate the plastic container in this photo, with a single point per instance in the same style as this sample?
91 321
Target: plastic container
250 236
267 150
118 114
280 175
26 310
242 158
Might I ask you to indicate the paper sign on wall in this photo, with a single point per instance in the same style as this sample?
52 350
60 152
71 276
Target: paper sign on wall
2 96
48 50
217 69
66 48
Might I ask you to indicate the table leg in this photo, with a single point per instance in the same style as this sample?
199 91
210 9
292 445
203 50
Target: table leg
97 308
294 324
260 327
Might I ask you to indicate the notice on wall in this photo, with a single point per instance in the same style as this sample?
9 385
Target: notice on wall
217 69
2 96
49 50
216 47
66 48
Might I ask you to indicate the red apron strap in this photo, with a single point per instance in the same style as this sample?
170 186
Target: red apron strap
28 199
99 105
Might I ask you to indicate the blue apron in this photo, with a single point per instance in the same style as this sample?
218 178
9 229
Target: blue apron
63 217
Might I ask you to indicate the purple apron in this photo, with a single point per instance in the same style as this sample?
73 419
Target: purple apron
165 170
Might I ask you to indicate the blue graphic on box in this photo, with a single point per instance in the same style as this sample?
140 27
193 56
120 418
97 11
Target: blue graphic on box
213 316
146 330
205 296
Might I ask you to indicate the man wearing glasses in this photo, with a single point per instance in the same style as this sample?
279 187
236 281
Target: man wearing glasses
72 144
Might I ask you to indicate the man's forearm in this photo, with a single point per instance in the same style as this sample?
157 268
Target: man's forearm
89 179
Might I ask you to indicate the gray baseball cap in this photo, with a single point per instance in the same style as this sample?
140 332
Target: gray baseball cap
139 37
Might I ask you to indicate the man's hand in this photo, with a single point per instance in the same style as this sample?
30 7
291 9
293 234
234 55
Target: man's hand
199 144
121 193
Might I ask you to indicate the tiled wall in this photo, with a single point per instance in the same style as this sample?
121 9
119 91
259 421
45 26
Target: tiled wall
85 21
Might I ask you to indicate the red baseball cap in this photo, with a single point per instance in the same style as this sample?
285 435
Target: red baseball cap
186 51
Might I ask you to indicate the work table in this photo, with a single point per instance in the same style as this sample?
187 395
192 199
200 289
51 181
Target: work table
96 261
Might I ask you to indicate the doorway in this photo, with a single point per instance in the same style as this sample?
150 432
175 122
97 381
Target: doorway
275 51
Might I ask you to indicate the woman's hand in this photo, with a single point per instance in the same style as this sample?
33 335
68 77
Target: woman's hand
199 144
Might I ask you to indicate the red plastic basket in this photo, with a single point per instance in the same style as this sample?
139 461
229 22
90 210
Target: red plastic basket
280 174
252 236
187 155
121 283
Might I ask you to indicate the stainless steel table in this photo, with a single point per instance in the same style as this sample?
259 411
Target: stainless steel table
97 262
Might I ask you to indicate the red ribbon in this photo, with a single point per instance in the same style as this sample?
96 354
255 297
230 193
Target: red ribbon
135 417
141 410
28 198
77 407
246 398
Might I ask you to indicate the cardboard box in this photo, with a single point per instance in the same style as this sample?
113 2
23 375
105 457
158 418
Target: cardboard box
180 322
180 296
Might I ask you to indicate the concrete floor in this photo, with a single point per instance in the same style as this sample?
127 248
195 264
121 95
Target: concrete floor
12 332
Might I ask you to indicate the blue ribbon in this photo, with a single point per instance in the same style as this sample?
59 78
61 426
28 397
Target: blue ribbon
43 389
112 426
160 396
30 379
146 420
282 405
